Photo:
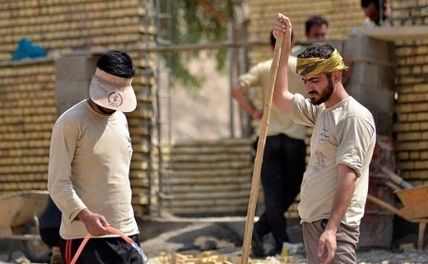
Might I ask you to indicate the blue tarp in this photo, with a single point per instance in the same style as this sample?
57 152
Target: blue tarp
26 49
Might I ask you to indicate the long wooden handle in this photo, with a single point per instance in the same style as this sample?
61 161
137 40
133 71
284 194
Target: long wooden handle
392 176
259 154
386 206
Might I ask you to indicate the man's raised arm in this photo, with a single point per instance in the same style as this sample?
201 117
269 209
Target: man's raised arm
281 96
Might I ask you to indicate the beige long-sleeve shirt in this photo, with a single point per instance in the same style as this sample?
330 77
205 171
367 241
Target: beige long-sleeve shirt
89 162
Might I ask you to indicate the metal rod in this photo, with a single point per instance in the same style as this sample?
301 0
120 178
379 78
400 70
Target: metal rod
232 74
202 46
23 237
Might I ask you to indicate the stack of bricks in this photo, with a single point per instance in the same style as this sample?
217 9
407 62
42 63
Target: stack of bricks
26 118
30 106
208 177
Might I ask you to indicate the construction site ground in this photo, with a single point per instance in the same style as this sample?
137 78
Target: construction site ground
220 241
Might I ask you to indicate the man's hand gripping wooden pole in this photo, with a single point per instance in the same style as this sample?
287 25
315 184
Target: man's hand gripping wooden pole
282 33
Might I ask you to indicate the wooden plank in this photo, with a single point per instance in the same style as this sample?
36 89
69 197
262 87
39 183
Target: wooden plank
209 210
208 180
229 196
210 187
218 202
241 172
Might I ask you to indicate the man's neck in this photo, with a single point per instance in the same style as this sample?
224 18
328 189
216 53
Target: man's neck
100 109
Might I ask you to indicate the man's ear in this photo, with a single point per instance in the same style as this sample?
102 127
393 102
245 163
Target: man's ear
337 76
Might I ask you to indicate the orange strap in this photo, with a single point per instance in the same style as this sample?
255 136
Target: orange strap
88 236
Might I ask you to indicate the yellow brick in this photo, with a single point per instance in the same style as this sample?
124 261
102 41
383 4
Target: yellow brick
403 155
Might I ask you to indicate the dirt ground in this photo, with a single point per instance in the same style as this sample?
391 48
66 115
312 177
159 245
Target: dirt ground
161 239
222 238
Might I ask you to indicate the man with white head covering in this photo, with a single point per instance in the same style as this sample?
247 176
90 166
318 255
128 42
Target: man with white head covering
89 163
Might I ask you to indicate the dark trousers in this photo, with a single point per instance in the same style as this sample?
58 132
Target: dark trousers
281 176
112 250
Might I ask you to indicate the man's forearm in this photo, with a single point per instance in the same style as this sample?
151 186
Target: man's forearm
342 198
243 101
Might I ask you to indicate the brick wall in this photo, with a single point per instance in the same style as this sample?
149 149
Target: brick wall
411 127
27 112
65 25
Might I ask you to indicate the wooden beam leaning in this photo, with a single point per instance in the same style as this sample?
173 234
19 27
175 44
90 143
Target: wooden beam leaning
248 232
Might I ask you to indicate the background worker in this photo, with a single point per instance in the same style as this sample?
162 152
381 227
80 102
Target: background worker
335 184
283 159
89 163
49 224
377 13
316 28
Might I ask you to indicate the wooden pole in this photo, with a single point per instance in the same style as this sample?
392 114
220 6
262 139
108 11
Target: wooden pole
392 176
259 154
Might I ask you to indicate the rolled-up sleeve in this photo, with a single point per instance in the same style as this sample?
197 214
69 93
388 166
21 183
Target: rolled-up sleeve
355 136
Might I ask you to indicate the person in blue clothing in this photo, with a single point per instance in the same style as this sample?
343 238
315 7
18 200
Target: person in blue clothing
49 224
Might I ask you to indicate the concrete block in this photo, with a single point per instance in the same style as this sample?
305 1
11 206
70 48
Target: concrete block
376 230
337 44
384 122
372 75
70 93
369 49
375 99
72 68
380 102
73 75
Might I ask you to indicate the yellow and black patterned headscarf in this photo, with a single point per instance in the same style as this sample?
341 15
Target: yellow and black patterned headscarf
317 66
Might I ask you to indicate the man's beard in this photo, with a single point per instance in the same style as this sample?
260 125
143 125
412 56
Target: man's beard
325 94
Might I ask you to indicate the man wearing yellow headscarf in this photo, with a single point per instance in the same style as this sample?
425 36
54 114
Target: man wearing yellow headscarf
335 183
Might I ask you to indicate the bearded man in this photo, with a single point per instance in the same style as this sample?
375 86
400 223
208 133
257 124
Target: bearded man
335 183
